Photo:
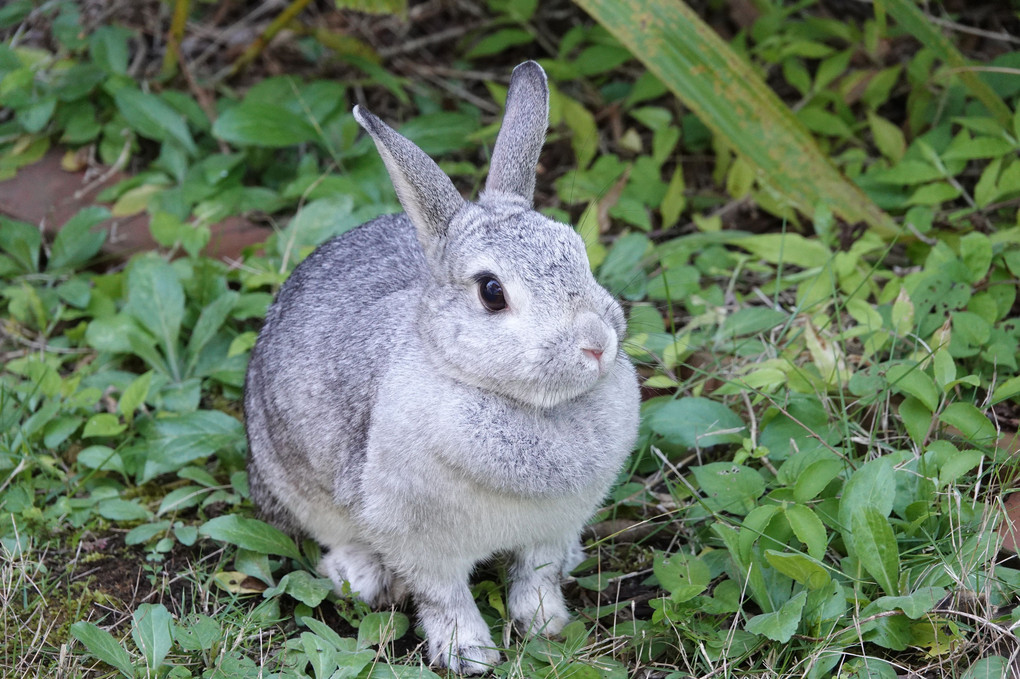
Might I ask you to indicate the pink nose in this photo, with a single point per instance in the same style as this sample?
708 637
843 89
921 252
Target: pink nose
594 353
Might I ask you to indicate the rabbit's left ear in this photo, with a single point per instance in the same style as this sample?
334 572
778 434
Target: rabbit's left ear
515 156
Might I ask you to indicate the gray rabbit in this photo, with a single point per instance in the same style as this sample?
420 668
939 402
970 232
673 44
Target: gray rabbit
438 387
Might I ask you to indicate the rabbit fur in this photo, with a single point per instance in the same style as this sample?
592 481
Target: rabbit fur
413 432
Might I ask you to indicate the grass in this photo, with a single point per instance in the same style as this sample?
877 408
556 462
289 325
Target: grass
828 428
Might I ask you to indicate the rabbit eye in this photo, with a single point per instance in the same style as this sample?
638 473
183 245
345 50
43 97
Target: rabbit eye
490 291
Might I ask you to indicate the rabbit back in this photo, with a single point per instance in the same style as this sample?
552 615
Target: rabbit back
312 379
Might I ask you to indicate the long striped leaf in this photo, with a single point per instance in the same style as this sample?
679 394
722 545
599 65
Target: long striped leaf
735 103
909 16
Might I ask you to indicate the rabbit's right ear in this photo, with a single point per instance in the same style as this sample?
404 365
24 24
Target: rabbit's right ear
520 139
426 193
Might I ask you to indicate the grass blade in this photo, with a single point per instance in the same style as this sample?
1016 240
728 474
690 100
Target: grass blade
736 104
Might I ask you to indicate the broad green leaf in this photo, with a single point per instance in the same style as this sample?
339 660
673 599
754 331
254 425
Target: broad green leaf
76 243
382 628
913 605
1007 390
321 656
109 49
751 320
142 534
302 586
815 477
101 458
958 465
971 422
102 424
808 528
786 248
153 118
697 422
729 487
912 380
181 498
156 301
179 439
252 534
874 544
500 40
259 123
209 322
730 97
781 625
198 632
134 396
872 486
103 646
153 632
22 242
682 575
916 418
888 137
803 569
116 509
991 667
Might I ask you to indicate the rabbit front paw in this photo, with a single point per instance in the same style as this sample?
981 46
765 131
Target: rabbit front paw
368 578
465 656
538 610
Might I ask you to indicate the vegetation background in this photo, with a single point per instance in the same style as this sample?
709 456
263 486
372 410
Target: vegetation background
810 209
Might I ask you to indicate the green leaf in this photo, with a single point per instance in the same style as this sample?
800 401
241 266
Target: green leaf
874 544
180 439
731 98
302 586
153 632
209 322
181 498
382 628
153 118
803 569
888 137
873 486
991 667
958 465
1007 390
500 40
916 418
156 301
77 243
971 422
815 477
103 646
321 656
584 136
252 534
786 248
22 242
109 49
911 380
729 487
697 422
260 123
101 458
781 625
102 424
116 509
808 528
913 605
682 575
134 396
198 632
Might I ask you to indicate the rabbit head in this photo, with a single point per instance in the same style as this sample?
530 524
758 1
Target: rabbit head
510 305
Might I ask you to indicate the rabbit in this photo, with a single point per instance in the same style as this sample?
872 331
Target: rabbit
442 386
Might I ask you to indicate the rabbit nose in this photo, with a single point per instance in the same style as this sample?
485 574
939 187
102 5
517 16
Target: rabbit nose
594 353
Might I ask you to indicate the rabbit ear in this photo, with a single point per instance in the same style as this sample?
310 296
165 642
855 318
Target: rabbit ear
515 156
427 194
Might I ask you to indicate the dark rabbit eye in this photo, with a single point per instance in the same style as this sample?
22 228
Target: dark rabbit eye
490 291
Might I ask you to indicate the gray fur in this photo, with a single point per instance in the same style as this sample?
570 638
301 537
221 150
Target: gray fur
415 434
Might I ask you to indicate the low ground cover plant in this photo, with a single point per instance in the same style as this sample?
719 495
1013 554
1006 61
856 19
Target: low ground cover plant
831 401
